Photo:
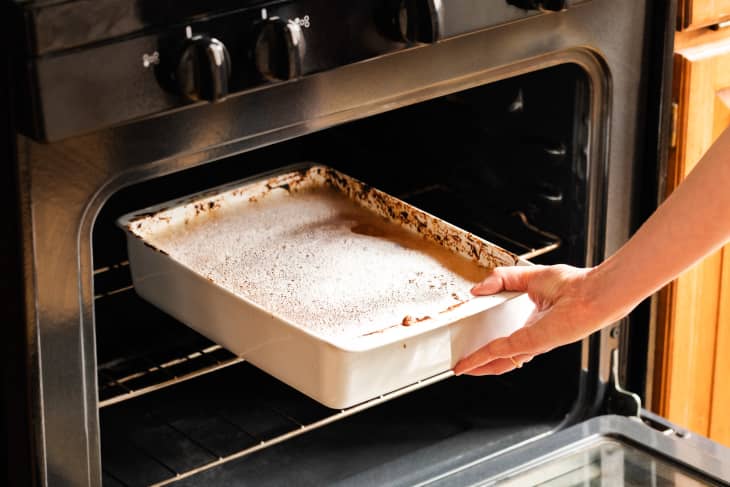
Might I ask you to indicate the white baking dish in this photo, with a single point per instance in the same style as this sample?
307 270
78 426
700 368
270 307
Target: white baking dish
337 368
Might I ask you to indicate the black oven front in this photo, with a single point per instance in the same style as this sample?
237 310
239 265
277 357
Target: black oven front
526 123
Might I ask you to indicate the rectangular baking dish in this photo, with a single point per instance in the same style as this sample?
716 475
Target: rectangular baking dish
186 258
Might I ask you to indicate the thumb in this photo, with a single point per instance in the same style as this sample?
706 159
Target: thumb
513 278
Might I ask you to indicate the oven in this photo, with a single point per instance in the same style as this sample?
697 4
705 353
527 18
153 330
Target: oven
536 125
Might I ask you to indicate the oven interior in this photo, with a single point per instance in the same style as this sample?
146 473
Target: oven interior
507 161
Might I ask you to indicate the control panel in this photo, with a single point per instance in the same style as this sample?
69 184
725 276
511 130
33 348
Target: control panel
80 83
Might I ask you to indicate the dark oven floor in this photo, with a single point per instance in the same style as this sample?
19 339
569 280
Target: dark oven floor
409 439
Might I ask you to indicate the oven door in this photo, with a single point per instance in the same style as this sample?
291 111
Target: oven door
605 450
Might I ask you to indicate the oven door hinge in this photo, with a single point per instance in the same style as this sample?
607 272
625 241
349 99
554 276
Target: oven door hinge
673 134
619 400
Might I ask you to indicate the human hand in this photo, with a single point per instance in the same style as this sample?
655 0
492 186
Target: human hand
572 303
567 308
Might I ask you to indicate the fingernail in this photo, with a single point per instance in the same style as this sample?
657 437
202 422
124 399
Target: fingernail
480 286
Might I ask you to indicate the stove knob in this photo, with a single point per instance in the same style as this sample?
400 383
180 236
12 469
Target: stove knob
279 50
414 21
547 5
204 69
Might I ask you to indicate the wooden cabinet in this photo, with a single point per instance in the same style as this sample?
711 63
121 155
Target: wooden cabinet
692 354
720 406
699 13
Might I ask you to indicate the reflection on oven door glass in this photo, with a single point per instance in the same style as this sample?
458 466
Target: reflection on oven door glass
607 463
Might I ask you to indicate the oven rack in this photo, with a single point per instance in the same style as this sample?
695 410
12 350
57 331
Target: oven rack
158 376
141 349
512 230
144 440
527 251
305 428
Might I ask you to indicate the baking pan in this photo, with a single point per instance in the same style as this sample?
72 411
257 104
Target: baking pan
334 287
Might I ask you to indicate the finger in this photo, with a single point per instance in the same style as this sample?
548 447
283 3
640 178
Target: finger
481 357
485 354
529 340
495 367
514 278
494 350
500 366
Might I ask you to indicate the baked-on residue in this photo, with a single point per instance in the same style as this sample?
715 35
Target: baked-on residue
321 261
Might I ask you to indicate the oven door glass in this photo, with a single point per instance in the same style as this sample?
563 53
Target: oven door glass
607 462
605 451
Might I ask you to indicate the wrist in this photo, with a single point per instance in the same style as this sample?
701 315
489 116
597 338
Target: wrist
607 292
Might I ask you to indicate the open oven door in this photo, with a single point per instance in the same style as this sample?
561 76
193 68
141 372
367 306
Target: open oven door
629 446
606 451
624 446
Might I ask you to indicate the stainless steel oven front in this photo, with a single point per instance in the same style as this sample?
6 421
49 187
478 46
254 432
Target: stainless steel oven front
530 123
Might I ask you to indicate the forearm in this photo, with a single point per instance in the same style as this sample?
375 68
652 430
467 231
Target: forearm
691 223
